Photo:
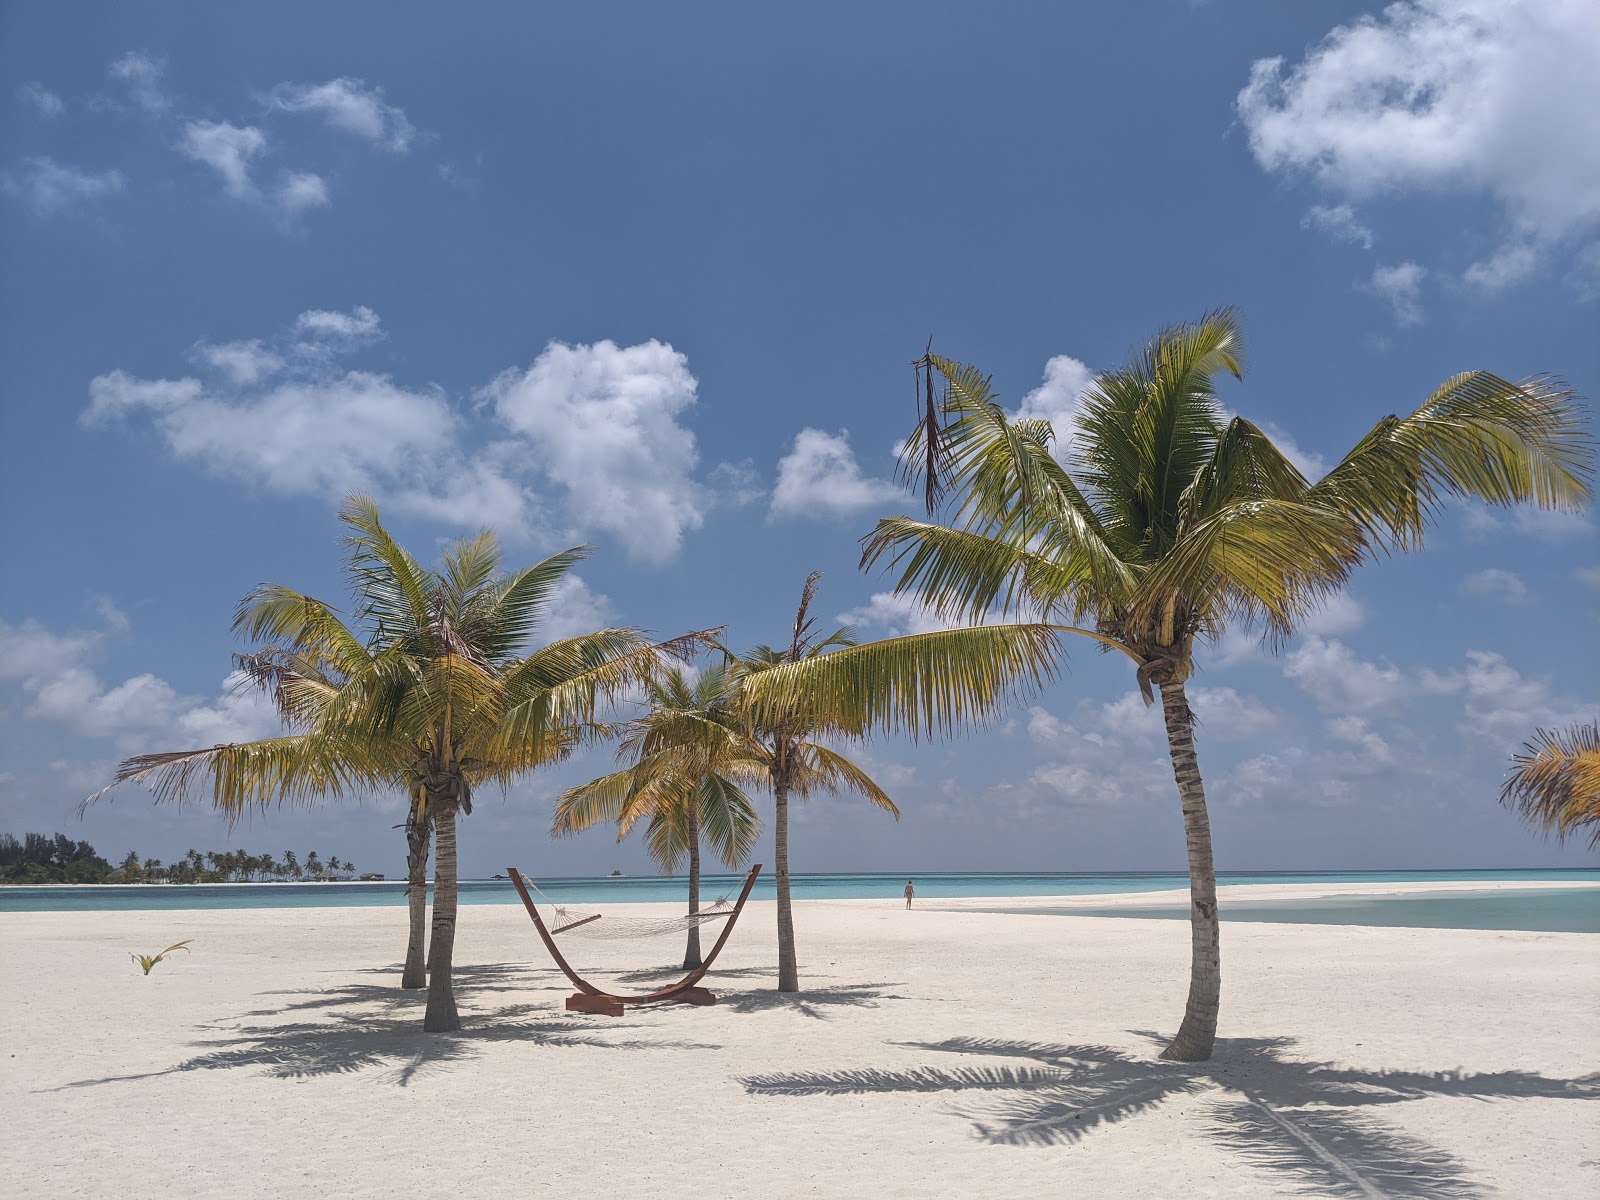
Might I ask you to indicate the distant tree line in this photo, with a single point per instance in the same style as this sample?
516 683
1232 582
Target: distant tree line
39 858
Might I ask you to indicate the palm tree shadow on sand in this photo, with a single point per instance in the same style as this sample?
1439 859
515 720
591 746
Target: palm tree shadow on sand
377 1027
1298 1119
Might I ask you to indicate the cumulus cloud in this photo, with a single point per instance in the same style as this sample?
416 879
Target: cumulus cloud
41 99
895 616
1339 613
1358 732
301 424
1340 681
820 477
601 421
1501 584
301 190
1058 399
358 327
1229 715
49 187
242 362
141 73
1339 222
55 672
1401 285
228 150
1470 96
350 106
576 609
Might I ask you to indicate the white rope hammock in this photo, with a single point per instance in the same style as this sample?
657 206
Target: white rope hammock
604 926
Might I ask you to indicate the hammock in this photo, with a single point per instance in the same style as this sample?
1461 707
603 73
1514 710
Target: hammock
590 998
614 928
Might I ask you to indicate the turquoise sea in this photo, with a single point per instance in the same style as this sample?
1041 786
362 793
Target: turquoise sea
1552 909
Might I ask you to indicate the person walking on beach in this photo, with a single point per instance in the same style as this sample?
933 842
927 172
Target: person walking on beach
910 892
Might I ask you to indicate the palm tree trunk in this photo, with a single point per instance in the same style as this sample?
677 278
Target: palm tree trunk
788 972
691 953
441 1016
415 974
1199 1029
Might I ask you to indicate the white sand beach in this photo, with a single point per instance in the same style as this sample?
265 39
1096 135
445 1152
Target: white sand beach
933 1053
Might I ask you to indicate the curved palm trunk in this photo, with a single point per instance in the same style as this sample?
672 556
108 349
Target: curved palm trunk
1199 1029
441 1016
691 952
788 972
415 974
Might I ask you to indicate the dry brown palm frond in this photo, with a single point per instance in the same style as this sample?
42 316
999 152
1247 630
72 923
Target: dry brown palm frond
1555 782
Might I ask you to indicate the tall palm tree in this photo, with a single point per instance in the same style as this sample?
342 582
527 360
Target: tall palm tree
1555 782
789 699
686 760
436 695
1170 522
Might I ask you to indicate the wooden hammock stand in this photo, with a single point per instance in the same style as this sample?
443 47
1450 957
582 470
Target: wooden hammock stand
591 999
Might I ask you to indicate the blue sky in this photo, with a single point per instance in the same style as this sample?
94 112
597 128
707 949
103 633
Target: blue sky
652 277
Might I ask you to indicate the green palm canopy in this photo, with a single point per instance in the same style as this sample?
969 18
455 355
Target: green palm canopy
432 689
789 701
686 761
1160 522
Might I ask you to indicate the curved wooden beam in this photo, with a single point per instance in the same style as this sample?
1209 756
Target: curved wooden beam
607 1002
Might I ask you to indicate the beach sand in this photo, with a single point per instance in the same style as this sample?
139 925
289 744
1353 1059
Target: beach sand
933 1053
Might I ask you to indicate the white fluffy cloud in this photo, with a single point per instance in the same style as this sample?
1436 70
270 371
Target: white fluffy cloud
358 327
228 150
601 421
242 362
318 429
1341 681
1474 96
301 190
1401 285
48 187
820 477
895 616
1059 398
55 673
1493 581
350 106
141 74
576 609
1339 222
41 99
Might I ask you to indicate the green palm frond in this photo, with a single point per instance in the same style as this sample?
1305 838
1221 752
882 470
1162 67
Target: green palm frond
821 768
728 820
925 684
393 589
1478 436
511 613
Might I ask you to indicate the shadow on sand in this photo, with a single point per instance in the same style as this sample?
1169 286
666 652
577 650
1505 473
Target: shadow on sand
1305 1121
371 1026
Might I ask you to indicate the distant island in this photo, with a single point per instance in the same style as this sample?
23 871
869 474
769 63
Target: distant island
44 859
616 875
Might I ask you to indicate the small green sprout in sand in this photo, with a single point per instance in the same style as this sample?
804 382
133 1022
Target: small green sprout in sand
149 960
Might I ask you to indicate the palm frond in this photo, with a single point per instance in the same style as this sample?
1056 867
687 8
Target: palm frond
818 766
1477 436
925 684
1554 782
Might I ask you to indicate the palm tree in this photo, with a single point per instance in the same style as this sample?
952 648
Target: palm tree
1169 523
291 864
313 865
1555 782
419 841
437 698
687 758
788 699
